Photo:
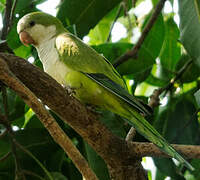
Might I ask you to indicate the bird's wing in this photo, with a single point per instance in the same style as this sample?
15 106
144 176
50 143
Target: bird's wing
116 89
80 57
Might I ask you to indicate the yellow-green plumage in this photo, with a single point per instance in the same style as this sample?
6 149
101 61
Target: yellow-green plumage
81 58
94 80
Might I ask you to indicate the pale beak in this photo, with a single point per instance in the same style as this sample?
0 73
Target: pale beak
25 38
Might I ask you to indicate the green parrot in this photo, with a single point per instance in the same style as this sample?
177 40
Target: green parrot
92 78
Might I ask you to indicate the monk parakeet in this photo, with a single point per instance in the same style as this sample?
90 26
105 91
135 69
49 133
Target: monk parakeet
92 77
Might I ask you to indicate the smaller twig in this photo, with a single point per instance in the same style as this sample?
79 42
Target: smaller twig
149 149
131 134
154 98
134 51
6 19
32 174
12 13
4 133
51 125
134 3
18 173
5 156
126 14
32 156
116 17
5 102
178 76
185 125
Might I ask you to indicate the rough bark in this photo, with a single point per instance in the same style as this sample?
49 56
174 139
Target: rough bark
121 160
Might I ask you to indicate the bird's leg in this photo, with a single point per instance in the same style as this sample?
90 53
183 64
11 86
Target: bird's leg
93 108
71 91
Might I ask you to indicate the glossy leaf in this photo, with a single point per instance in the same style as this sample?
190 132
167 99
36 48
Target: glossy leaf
191 73
98 35
96 163
178 115
190 28
197 97
171 51
177 123
84 15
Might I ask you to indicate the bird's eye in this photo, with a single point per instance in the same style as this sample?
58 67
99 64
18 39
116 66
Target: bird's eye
32 23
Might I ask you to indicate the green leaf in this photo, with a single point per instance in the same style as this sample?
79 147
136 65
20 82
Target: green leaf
170 52
114 122
187 76
37 141
167 167
190 28
155 81
96 163
112 50
116 125
17 112
193 175
84 15
2 5
23 51
99 34
197 97
58 176
176 121
197 6
23 6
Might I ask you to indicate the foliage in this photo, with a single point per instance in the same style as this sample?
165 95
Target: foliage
163 54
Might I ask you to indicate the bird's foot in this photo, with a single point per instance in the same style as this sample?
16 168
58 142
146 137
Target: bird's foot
71 91
91 107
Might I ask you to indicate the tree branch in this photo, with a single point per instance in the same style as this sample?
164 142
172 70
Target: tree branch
154 98
56 132
6 19
12 13
134 52
149 149
107 145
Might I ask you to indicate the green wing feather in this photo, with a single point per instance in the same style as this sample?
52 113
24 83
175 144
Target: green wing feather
120 92
72 49
80 57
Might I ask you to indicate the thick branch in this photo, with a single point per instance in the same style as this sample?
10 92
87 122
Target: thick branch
149 149
56 132
134 52
108 146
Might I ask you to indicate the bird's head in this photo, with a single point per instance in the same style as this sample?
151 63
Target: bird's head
38 27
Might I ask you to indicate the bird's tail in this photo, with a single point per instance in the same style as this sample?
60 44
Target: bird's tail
149 132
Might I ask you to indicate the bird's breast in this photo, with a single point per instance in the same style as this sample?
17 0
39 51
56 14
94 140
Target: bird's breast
52 64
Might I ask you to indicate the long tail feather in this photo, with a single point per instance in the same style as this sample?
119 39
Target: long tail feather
144 128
